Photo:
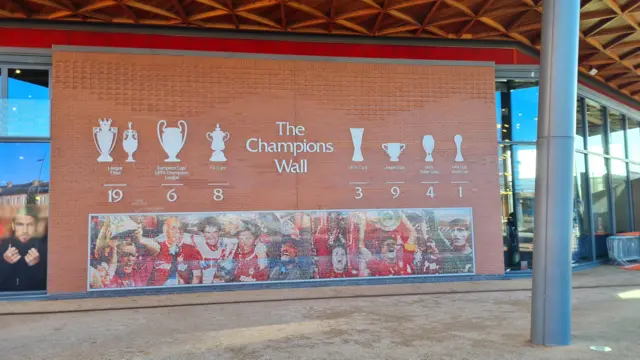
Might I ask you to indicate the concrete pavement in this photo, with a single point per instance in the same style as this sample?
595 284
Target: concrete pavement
463 325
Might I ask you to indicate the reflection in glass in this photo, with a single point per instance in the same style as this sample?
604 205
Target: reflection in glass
595 127
598 177
26 111
616 138
509 227
524 174
581 247
634 174
524 110
633 140
24 199
499 115
620 195
579 141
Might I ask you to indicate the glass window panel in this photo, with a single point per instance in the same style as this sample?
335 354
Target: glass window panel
509 230
634 174
616 137
524 174
524 111
598 178
579 141
24 198
633 140
26 111
620 195
595 127
582 249
499 115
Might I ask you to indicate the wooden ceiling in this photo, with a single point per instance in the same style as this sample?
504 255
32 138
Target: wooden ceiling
609 29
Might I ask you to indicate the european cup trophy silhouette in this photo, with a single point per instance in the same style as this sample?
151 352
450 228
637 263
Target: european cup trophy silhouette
356 138
458 140
428 143
172 139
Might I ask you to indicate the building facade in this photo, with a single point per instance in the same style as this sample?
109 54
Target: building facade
205 161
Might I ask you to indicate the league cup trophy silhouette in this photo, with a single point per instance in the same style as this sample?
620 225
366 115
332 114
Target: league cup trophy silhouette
172 139
130 142
356 138
105 139
393 150
218 138
428 144
458 140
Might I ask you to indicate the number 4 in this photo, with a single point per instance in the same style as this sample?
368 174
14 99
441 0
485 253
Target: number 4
431 193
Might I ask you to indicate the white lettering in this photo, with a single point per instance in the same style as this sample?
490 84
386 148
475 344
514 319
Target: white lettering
248 146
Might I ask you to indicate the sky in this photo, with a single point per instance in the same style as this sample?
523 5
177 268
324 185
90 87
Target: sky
26 113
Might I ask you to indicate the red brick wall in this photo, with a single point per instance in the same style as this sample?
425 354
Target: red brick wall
394 103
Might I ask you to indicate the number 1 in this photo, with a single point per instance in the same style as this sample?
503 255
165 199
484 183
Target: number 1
460 190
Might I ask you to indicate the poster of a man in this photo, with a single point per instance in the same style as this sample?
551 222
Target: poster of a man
23 262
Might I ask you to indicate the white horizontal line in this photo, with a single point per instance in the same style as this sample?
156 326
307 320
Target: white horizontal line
358 183
115 184
459 182
394 182
218 184
430 182
171 184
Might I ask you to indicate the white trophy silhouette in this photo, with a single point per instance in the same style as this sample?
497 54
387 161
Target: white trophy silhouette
393 150
458 140
130 142
105 139
428 143
356 138
218 138
172 139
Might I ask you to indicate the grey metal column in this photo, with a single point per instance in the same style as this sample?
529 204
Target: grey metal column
551 298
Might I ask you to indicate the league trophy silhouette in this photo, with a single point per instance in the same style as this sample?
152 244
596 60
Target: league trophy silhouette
105 139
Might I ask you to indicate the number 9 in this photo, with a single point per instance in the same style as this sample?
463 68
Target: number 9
395 191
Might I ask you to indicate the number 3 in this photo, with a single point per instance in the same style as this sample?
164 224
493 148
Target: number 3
359 194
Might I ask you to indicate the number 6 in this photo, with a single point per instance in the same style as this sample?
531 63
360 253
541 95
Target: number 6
172 196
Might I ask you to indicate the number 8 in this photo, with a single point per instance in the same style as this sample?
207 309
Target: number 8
218 195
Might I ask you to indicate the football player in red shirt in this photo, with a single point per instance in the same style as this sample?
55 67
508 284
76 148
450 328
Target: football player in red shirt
251 257
177 263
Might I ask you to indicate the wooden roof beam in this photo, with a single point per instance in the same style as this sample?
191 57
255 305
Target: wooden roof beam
409 3
627 84
234 14
332 16
427 18
634 93
180 9
598 26
616 40
19 6
612 78
484 8
98 5
597 14
380 16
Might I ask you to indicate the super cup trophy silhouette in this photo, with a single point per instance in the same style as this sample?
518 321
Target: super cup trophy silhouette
428 144
458 140
172 139
218 138
105 139
130 142
356 138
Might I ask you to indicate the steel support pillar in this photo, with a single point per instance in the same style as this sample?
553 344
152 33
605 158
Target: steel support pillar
551 297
